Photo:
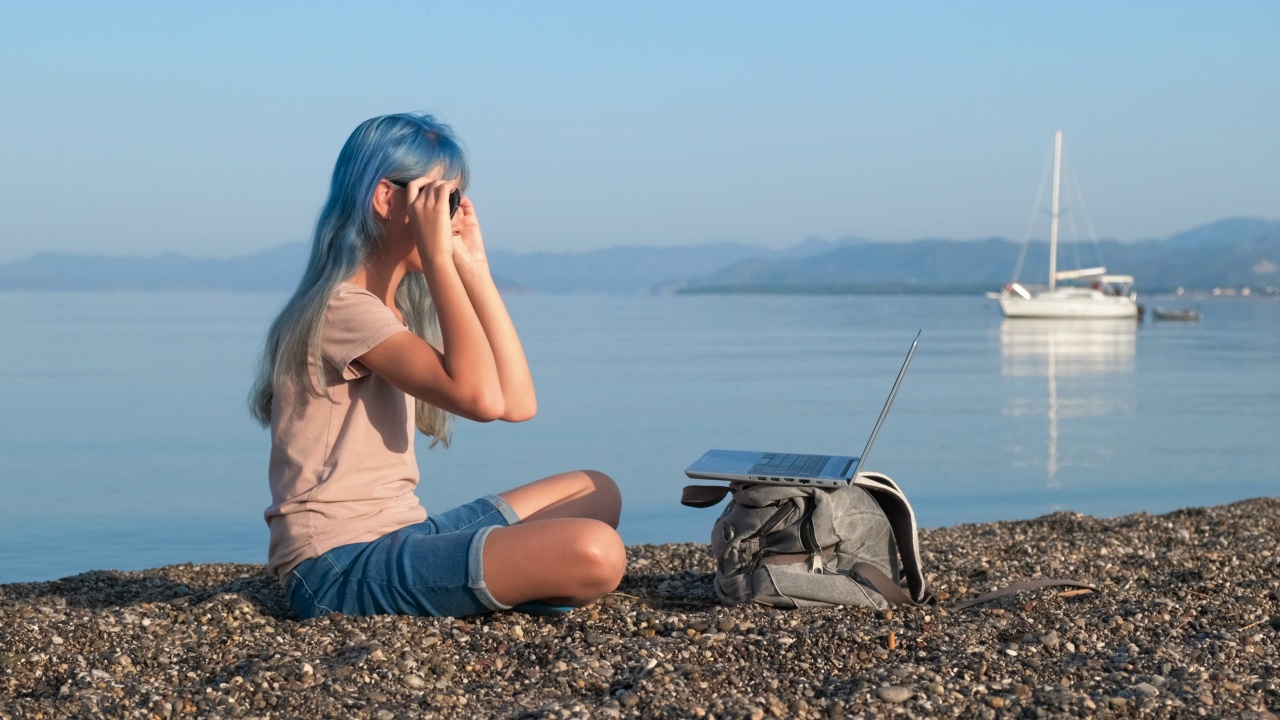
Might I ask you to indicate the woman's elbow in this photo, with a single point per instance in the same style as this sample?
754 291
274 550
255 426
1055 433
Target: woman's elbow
486 407
489 409
519 412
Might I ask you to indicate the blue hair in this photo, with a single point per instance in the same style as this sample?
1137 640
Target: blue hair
399 148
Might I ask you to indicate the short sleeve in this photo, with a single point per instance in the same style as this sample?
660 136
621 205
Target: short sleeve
355 321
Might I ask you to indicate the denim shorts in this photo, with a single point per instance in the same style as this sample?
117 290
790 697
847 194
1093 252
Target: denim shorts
435 567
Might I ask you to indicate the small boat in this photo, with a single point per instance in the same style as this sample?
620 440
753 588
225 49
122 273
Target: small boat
1102 296
1182 314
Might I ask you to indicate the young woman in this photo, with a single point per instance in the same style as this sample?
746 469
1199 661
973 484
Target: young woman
397 323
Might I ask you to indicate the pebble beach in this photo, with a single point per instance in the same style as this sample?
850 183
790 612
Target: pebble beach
1185 623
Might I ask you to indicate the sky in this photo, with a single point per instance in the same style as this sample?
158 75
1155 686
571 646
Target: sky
211 129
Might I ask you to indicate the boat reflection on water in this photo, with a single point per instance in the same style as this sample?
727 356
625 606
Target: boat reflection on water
1086 365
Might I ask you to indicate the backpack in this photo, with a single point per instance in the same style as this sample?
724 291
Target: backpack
805 546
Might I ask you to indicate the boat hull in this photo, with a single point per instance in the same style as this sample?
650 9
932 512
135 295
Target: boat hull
1177 315
1060 304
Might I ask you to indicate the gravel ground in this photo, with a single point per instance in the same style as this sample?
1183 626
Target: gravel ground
1187 624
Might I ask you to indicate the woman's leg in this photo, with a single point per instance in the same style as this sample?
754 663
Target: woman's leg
562 561
565 549
574 494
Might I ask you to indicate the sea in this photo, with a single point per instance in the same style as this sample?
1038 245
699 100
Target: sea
125 442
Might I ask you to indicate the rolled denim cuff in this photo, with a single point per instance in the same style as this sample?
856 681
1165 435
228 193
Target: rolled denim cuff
502 507
475 566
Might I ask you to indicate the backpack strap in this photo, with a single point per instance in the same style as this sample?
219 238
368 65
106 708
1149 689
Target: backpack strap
905 533
703 496
891 591
1018 587
903 521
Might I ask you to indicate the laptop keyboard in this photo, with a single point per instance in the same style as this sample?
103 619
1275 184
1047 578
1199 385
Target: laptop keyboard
789 465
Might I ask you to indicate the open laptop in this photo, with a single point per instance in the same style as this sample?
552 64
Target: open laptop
793 468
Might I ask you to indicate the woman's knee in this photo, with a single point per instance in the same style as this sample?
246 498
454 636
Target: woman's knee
600 558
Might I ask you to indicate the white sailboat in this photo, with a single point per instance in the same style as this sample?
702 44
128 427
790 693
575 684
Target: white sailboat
1105 296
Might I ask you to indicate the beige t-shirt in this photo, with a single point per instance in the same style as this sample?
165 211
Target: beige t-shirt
343 468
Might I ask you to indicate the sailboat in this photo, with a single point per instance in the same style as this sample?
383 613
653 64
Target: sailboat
1104 295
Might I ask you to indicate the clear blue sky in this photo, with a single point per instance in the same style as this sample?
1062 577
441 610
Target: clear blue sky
210 129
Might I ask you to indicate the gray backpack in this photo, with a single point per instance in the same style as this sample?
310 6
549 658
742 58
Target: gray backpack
805 546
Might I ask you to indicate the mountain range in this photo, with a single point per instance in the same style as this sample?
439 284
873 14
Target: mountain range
1237 252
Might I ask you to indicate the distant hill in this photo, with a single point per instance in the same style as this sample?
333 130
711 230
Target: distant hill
1238 252
274 270
637 270
1228 253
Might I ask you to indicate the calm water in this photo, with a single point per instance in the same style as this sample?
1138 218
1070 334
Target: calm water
124 441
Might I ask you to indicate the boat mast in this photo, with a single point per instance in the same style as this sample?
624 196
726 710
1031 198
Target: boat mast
1053 217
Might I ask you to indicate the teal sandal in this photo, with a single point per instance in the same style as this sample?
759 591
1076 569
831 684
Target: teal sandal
537 607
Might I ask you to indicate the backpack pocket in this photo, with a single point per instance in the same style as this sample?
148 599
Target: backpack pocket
738 540
794 585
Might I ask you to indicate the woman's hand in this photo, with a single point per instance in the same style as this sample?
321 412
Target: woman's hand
427 203
519 402
468 246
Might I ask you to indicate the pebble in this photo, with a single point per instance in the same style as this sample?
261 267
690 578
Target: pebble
1172 632
893 693
1146 690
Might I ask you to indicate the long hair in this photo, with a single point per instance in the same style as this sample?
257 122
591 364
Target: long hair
400 148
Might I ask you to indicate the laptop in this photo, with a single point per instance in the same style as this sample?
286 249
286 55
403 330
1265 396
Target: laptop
793 468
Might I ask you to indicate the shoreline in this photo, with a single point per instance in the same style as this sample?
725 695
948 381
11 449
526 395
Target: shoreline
1186 623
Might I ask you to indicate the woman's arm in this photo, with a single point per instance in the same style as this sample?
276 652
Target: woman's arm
519 398
463 379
